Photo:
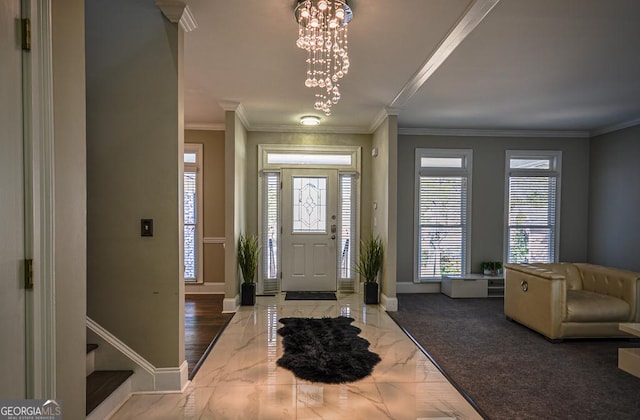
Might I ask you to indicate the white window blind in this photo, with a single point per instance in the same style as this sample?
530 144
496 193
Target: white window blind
346 256
190 218
271 231
192 213
533 201
443 185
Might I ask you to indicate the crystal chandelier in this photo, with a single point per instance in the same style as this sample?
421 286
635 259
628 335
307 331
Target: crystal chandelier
322 33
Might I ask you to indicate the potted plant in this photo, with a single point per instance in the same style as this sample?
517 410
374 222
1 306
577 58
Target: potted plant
369 265
248 255
491 268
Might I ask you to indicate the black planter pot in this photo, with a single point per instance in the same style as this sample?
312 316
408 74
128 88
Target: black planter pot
248 294
371 293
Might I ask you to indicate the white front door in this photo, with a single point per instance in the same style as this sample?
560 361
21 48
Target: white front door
12 291
309 229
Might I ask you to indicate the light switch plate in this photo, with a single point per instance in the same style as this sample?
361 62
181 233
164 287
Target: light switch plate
146 227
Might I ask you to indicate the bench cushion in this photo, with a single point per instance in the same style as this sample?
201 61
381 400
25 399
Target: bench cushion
585 306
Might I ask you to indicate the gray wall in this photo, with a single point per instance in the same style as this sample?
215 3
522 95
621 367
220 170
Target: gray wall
614 203
134 158
487 219
70 204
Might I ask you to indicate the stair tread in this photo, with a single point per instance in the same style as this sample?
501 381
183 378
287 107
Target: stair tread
91 347
101 383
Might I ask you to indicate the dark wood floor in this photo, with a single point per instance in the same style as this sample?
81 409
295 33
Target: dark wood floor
203 320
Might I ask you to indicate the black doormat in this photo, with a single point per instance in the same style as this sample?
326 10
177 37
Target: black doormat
310 296
325 350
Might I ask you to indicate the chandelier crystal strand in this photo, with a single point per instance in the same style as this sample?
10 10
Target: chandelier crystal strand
322 33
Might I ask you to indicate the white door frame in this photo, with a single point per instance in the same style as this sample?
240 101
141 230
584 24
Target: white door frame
352 167
39 201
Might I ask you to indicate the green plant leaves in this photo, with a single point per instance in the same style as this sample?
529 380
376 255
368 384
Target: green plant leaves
248 256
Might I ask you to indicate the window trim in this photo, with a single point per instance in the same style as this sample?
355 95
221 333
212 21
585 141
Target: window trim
197 167
353 169
555 169
465 170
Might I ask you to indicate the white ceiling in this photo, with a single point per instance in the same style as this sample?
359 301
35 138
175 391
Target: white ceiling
544 65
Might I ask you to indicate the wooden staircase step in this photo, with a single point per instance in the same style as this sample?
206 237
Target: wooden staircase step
101 383
91 347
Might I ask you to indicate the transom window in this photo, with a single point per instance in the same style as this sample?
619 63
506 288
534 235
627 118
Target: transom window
309 159
443 185
532 205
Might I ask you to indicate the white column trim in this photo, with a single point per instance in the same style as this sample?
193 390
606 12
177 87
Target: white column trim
39 184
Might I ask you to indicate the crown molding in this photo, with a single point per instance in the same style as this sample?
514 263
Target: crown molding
239 110
471 18
316 130
205 126
229 105
188 21
242 115
615 127
177 11
381 116
463 132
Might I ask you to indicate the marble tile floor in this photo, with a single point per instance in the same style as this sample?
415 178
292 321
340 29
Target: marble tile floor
240 379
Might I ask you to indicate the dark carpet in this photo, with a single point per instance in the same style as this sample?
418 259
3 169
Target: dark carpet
512 372
310 296
325 350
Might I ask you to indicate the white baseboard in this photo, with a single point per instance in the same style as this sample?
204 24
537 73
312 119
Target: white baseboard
204 288
146 377
172 379
388 303
418 287
230 305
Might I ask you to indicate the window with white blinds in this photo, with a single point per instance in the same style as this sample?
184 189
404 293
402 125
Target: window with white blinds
533 184
192 213
271 231
347 221
443 185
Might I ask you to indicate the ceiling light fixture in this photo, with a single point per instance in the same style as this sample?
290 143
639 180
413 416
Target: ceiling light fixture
322 32
309 120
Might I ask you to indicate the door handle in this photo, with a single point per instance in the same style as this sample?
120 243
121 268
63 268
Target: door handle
333 229
333 236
